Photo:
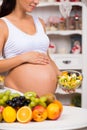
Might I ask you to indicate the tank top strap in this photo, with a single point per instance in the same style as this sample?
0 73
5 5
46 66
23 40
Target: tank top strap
6 20
9 25
38 25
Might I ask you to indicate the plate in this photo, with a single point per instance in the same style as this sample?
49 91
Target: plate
12 90
72 118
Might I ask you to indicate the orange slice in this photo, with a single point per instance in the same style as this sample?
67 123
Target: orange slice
24 114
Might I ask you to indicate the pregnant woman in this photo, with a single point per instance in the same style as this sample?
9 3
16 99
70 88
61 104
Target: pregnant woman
24 45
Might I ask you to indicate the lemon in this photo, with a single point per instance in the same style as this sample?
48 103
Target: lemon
9 114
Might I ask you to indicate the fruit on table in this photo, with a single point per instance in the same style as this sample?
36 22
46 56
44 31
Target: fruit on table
6 95
39 113
50 98
33 107
29 94
33 101
9 114
18 102
53 111
1 117
24 114
59 104
1 110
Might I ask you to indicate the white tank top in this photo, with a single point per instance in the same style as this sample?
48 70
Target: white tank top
19 42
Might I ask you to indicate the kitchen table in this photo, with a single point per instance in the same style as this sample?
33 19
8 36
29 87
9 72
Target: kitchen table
72 118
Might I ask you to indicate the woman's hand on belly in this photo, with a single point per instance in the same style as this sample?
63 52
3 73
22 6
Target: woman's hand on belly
35 58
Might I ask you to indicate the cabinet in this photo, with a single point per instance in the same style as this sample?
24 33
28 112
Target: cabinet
63 38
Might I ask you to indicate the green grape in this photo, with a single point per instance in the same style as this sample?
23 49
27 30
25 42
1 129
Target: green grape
7 92
2 102
43 99
1 95
32 104
10 98
15 94
43 104
37 100
12 95
5 98
32 98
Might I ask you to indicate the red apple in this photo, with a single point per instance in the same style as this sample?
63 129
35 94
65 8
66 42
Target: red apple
39 113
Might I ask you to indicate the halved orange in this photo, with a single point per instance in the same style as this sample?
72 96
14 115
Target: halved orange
24 114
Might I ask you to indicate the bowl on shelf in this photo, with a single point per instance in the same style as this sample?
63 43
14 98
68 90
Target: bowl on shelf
70 80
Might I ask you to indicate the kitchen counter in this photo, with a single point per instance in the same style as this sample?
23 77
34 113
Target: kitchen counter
72 118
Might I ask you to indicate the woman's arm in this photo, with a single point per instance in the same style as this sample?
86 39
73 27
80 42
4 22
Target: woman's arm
57 70
6 64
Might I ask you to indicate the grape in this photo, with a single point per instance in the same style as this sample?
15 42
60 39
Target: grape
18 102
13 105
43 104
12 95
43 99
37 100
2 102
28 101
32 98
1 95
15 94
22 98
7 92
32 104
14 99
5 98
9 102
21 104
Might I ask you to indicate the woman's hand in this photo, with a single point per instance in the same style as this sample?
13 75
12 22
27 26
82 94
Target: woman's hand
35 58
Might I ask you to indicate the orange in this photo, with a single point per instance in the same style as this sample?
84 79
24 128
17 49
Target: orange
53 111
24 114
59 104
9 114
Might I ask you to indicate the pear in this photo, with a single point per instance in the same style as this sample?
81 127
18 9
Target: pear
50 98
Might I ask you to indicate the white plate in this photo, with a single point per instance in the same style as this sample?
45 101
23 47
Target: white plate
72 118
12 90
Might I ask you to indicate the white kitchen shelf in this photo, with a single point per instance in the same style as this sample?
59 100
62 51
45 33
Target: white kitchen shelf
44 4
64 32
68 60
60 91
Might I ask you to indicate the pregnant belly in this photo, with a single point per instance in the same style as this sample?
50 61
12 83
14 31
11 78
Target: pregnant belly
28 77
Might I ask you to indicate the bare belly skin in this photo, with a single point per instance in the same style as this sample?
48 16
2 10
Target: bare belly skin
27 77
